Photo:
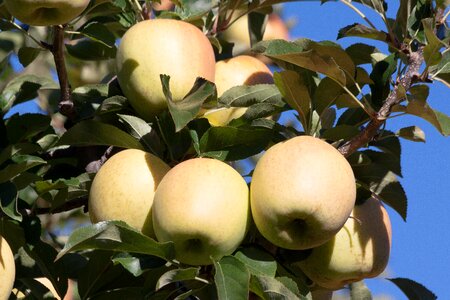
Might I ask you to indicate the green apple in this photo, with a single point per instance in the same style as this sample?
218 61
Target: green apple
359 250
7 269
124 187
202 206
239 70
302 192
45 12
162 46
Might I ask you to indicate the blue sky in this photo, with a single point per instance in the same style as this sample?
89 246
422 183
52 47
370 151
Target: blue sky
420 246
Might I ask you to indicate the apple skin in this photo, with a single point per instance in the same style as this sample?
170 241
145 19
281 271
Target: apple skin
45 12
162 46
302 192
164 5
124 187
202 206
7 269
359 250
238 33
239 70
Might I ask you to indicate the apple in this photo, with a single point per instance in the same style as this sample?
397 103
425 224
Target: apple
7 269
45 12
359 250
302 192
238 32
202 206
239 70
164 5
124 187
162 46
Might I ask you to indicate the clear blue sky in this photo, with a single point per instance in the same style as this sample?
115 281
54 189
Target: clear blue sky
420 246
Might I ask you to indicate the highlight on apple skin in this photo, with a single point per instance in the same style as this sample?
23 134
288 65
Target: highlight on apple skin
202 206
45 12
124 187
359 250
302 192
162 46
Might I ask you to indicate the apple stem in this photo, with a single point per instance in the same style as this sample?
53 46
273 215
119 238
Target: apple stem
66 106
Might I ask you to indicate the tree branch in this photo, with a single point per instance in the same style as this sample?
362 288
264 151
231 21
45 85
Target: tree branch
66 106
415 60
69 205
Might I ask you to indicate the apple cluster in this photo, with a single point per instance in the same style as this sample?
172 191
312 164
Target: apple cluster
302 194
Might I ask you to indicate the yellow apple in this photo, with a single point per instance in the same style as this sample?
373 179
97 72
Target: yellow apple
7 269
202 206
359 250
162 46
302 192
124 187
45 12
238 32
239 70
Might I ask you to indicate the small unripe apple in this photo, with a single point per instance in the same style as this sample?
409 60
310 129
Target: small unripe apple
239 70
124 187
302 192
45 12
359 250
162 46
202 206
7 269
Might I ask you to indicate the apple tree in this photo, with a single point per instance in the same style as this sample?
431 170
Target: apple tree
66 56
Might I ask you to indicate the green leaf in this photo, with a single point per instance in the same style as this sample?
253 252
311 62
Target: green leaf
187 109
359 291
390 161
340 133
23 127
431 52
359 30
23 88
98 32
114 104
231 143
87 49
329 60
88 133
22 163
8 200
245 96
326 94
138 264
381 77
176 275
412 133
420 108
294 90
143 132
361 53
413 290
115 236
28 54
21 149
268 288
231 279
257 261
384 184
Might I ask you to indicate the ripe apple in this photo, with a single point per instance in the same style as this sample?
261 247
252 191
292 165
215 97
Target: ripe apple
202 206
359 250
302 192
45 12
239 70
238 32
162 46
124 187
164 5
7 269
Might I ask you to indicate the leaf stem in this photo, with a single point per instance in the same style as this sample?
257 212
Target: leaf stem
349 4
